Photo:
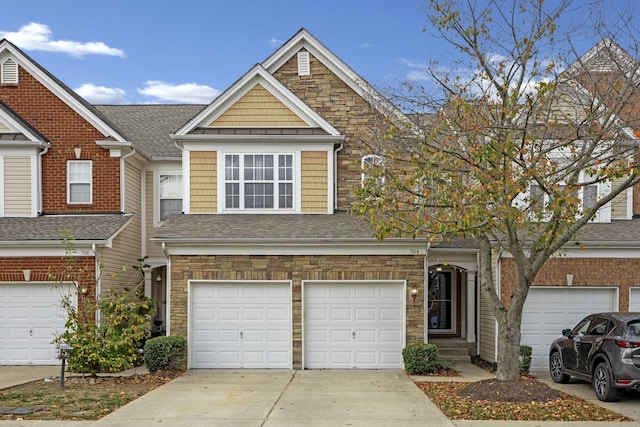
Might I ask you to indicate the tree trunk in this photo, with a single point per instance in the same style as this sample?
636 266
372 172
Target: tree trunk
508 349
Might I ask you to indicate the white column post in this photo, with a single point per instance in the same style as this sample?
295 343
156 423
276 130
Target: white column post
471 306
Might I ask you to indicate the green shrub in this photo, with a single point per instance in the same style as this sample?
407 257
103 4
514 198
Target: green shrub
164 353
105 331
423 358
525 359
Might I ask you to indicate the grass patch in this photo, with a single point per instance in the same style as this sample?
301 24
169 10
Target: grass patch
81 399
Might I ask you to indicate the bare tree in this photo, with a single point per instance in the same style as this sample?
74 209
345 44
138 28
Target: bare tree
516 150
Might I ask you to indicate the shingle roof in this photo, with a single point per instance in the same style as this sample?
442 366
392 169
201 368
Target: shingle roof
149 126
98 227
264 227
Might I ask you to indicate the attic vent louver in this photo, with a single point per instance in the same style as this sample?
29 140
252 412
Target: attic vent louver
304 68
9 72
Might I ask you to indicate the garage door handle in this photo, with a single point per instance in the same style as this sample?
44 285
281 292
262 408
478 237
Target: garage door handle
241 335
353 335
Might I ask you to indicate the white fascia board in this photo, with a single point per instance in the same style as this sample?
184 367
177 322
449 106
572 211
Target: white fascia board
303 39
257 75
326 247
29 249
18 127
282 143
61 92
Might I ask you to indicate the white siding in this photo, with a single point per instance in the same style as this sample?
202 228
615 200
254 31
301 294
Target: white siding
17 186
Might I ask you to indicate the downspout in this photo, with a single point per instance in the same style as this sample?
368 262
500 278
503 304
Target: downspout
40 191
425 292
96 267
167 290
335 176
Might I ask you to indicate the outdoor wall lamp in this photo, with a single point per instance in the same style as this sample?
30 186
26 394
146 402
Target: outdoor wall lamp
63 354
414 294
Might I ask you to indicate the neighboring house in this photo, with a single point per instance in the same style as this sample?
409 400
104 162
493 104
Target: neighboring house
242 207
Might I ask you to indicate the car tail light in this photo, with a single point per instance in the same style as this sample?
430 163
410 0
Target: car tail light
627 344
623 382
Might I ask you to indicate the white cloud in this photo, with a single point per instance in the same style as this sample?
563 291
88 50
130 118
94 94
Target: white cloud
190 93
36 36
274 42
101 94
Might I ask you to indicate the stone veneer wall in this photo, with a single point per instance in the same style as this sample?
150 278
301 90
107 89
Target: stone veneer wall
297 269
619 272
349 113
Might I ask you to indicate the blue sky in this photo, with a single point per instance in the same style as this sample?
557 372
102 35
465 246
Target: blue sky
160 51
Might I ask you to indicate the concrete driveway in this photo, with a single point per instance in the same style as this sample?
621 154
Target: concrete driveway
628 405
274 398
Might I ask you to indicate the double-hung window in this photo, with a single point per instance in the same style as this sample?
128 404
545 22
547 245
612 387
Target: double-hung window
79 182
170 195
258 181
369 162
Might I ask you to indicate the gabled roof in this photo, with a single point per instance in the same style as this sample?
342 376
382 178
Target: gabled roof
258 75
20 133
304 40
62 91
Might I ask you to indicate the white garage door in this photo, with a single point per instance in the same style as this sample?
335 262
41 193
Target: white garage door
30 318
240 325
634 299
353 325
549 310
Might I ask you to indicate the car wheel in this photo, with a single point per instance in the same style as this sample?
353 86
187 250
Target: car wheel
555 369
603 383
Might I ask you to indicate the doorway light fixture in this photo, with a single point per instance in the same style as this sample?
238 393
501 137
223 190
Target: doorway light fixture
414 294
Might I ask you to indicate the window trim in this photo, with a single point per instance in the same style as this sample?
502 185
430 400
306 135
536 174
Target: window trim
294 182
371 160
157 222
70 183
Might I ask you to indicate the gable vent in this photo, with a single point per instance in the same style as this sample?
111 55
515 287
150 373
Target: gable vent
9 72
304 68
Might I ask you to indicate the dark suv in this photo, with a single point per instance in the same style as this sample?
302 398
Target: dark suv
604 348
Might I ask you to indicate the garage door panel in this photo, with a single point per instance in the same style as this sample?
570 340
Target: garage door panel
30 318
549 310
350 324
251 327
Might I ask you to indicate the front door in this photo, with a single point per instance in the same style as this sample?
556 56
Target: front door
441 302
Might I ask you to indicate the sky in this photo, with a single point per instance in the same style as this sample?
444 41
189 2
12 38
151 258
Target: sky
189 51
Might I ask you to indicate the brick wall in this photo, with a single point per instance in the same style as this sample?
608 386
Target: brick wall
296 269
65 129
50 269
619 272
344 109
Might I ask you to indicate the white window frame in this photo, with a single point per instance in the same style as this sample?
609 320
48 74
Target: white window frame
371 160
70 182
276 181
602 188
157 175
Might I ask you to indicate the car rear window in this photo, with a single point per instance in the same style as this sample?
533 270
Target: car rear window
633 329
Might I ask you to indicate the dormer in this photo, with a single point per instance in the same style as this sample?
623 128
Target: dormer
258 149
